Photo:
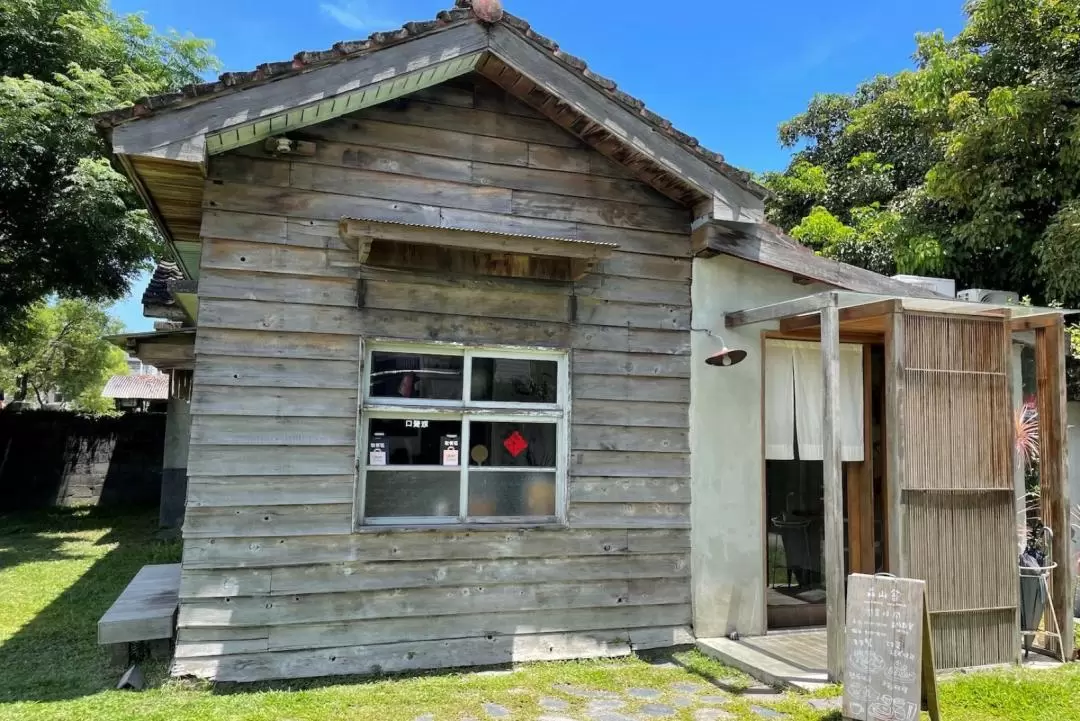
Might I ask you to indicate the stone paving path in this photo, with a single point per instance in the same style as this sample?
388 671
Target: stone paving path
704 701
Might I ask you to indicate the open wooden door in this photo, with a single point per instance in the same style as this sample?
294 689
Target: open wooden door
950 479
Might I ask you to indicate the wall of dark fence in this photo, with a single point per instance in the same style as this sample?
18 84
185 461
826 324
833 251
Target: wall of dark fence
50 458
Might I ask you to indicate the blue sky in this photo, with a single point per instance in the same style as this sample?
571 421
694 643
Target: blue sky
726 72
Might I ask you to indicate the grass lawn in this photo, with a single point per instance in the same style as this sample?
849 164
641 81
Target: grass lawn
60 570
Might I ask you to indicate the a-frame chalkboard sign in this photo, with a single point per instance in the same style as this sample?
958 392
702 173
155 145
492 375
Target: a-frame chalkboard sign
888 654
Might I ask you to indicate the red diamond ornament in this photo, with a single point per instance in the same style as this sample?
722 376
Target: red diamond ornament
515 444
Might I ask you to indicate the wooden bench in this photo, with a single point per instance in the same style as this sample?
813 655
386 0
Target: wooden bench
145 611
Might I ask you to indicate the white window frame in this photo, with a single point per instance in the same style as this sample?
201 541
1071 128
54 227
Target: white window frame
466 410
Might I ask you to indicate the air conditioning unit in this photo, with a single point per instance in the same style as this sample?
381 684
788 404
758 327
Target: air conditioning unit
982 295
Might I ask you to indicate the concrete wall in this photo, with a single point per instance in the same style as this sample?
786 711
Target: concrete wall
59 458
726 461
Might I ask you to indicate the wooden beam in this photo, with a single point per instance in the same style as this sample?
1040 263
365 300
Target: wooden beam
180 134
759 243
359 231
784 309
855 312
1053 469
894 441
834 491
633 131
1034 322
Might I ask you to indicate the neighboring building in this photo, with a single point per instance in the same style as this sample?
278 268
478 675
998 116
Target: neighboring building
145 392
459 304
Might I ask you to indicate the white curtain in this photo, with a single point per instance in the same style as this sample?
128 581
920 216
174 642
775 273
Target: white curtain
795 366
779 401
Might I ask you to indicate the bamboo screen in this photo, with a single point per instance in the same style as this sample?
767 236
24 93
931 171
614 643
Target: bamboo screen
957 506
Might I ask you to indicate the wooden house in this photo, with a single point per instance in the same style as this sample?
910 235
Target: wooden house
455 298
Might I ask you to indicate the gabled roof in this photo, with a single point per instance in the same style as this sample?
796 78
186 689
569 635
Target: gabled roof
308 60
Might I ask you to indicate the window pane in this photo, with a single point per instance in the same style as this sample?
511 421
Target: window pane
515 380
508 445
403 493
511 493
413 442
416 375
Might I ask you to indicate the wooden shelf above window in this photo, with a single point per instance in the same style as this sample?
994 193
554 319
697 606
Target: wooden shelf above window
473 252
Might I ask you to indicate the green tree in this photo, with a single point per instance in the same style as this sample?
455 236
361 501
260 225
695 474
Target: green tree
69 223
967 165
61 348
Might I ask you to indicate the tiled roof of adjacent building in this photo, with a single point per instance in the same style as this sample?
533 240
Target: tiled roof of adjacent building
138 387
308 60
157 291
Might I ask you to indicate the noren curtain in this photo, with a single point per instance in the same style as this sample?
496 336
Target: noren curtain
794 388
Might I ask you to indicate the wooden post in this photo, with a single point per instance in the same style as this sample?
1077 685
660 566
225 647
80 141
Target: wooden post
894 442
834 491
1053 469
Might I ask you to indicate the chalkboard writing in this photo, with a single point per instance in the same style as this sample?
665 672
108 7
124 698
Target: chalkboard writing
886 639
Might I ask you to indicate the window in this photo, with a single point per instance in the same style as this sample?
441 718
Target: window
453 435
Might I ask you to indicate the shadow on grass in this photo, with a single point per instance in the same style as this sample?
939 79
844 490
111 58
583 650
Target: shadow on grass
55 655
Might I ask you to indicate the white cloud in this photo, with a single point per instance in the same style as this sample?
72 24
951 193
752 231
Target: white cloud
358 15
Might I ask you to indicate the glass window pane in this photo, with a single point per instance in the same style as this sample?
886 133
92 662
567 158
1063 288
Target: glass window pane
416 375
511 493
404 493
413 442
508 445
515 380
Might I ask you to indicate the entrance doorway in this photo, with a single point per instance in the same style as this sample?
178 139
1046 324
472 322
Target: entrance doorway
794 496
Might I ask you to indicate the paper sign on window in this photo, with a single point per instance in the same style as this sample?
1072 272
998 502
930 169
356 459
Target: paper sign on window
377 450
451 450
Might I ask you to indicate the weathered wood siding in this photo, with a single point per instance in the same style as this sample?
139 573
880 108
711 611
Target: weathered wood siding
275 580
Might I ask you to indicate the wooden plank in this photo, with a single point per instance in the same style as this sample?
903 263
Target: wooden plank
169 135
428 545
272 461
585 489
578 184
655 415
1054 470
630 515
628 438
285 402
145 609
246 521
271 430
630 364
833 478
220 583
359 576
635 290
278 287
783 309
257 343
217 491
629 463
600 212
425 602
636 315
409 111
253 258
633 388
395 658
510 623
424 141
215 370
894 444
760 244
